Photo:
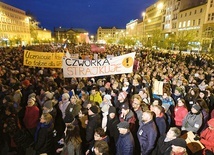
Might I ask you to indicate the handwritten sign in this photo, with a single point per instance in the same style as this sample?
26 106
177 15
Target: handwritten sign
99 67
43 59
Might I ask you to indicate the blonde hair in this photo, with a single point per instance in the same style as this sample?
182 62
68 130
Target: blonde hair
47 117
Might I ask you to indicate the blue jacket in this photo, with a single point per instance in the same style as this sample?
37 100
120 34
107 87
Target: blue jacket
147 135
125 144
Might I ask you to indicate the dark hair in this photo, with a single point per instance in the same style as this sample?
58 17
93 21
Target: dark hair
102 147
73 135
100 131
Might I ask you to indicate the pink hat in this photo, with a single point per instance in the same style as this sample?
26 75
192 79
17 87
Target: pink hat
123 94
211 122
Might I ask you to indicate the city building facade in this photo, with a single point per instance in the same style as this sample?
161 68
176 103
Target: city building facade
14 25
109 33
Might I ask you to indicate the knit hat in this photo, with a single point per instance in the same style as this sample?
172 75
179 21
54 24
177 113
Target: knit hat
108 97
123 94
48 104
125 106
112 109
66 95
26 83
179 89
48 95
211 122
196 107
94 109
68 118
102 89
32 95
123 124
126 83
179 142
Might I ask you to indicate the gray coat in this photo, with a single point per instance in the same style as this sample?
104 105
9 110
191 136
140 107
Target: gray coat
192 122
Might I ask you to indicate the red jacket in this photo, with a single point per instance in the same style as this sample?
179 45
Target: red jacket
207 137
180 113
31 117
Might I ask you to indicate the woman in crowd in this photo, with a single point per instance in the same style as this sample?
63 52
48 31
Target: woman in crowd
72 142
44 135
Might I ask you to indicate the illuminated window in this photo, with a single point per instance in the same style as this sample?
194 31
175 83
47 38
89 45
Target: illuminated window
188 23
184 23
180 24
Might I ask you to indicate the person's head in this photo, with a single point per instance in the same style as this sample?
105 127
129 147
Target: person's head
72 132
211 124
195 108
31 102
178 145
147 116
10 109
48 105
83 112
101 148
112 112
125 109
123 127
157 110
65 97
136 104
46 118
122 96
181 102
94 90
173 133
66 89
99 133
93 110
25 83
74 99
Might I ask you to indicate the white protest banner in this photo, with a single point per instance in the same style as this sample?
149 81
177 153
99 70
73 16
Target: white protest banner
91 68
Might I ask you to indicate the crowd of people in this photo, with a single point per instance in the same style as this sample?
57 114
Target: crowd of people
44 113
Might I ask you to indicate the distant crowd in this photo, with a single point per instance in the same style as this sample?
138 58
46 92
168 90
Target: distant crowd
147 112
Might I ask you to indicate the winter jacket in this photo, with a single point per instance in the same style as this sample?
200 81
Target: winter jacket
93 123
96 98
125 144
207 137
31 117
147 135
44 138
192 122
180 112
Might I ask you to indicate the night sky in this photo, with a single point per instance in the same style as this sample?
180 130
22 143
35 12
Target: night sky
86 14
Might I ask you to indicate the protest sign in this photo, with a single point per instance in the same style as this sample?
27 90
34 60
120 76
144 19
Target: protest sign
43 59
193 145
91 68
158 87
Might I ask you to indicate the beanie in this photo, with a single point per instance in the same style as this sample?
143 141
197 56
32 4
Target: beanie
112 109
179 142
108 97
196 107
123 94
66 96
94 109
123 124
48 104
211 122
102 89
48 95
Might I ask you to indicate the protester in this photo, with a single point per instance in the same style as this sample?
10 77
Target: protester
125 143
